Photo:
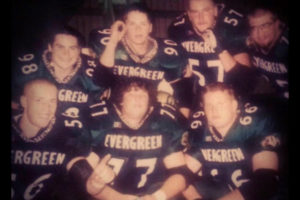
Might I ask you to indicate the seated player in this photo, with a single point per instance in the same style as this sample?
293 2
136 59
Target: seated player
128 50
213 37
144 140
64 64
233 149
42 144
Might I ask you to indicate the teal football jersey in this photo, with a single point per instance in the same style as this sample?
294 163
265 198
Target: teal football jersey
74 92
227 163
137 154
274 64
38 164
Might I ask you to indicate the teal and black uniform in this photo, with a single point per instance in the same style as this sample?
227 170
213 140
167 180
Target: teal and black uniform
274 64
38 164
231 32
74 92
137 154
227 163
164 61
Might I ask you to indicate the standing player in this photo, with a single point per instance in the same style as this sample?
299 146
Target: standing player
213 37
128 50
234 148
144 141
42 144
64 64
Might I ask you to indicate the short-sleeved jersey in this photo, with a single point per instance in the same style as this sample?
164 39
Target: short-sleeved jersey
74 91
38 164
137 154
230 32
228 163
164 61
274 64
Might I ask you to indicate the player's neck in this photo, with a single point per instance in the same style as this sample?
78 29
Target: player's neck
61 73
28 130
224 130
140 49
133 122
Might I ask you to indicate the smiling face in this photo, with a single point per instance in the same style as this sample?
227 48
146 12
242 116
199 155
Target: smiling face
264 28
39 102
138 27
202 14
135 103
65 51
220 108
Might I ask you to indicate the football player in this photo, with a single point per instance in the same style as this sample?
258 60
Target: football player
42 144
144 141
127 49
64 64
213 37
268 47
233 148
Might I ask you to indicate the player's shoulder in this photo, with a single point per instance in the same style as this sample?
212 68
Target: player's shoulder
284 38
98 38
169 53
180 27
168 115
101 113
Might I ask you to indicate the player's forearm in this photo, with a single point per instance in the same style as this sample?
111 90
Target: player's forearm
173 186
109 193
227 60
107 58
234 195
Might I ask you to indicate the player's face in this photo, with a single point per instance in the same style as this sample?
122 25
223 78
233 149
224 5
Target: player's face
202 14
138 27
40 104
220 109
135 103
65 51
264 29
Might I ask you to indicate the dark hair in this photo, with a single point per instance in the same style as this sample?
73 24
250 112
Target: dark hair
253 9
124 84
141 7
68 30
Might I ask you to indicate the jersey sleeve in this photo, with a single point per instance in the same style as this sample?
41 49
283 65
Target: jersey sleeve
231 30
260 129
170 57
179 28
98 38
25 67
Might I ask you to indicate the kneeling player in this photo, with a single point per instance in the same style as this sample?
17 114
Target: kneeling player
144 140
233 149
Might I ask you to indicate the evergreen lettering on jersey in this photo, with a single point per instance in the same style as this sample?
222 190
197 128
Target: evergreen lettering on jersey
197 47
132 71
37 157
72 96
223 155
119 141
273 67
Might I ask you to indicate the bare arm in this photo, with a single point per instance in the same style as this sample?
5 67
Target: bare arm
261 160
107 58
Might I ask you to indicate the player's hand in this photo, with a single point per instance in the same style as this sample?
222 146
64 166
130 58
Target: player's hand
188 71
118 30
101 176
148 197
166 87
210 38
